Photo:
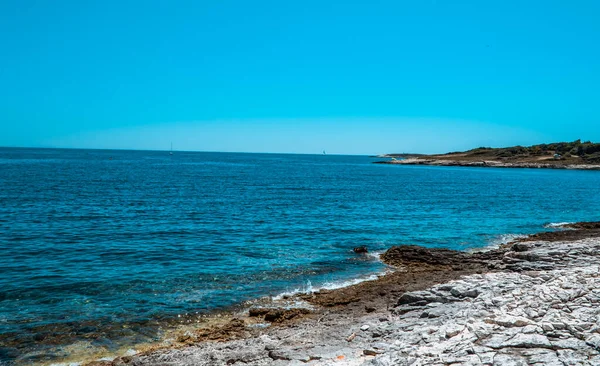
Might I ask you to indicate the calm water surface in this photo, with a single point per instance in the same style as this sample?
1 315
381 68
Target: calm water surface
93 240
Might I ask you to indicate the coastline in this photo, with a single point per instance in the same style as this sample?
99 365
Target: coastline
168 332
402 315
489 164
404 206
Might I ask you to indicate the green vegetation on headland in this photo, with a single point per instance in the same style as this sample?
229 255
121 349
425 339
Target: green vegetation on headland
586 152
566 155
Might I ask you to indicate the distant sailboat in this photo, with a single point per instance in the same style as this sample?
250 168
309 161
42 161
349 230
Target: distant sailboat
171 152
324 153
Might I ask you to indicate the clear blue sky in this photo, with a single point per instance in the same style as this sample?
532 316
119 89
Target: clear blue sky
304 76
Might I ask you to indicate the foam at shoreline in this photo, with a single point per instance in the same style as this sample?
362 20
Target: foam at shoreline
498 242
334 285
557 225
309 289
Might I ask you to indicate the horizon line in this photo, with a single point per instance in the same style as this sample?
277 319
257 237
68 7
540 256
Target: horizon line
175 150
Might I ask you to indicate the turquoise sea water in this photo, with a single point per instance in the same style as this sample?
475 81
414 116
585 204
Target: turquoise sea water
93 242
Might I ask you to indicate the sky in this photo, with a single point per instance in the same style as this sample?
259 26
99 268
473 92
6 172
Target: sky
348 77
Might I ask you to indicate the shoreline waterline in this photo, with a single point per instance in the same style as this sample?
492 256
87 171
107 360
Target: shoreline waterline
356 331
172 329
289 299
163 331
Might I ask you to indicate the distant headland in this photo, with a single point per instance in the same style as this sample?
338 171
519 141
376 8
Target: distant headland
560 155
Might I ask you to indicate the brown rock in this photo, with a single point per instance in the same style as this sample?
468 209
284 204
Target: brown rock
417 258
280 315
235 329
255 312
361 249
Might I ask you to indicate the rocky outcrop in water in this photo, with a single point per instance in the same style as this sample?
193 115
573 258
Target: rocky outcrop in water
360 250
416 258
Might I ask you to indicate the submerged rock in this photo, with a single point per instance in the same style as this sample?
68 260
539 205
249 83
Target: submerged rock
361 249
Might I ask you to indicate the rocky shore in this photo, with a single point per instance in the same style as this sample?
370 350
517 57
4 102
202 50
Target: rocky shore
532 302
547 164
558 155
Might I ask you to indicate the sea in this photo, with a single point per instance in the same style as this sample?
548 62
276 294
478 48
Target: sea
105 249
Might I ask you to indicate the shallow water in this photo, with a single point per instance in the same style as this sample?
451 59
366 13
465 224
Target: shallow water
95 242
